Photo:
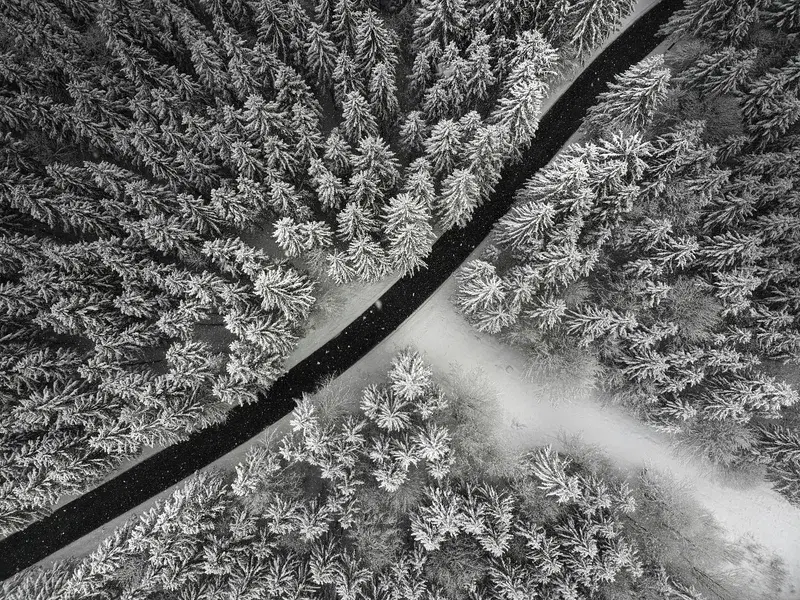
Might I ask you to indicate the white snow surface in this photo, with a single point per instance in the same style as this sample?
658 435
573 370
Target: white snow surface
753 514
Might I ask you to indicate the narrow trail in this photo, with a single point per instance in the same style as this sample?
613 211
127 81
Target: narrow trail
83 521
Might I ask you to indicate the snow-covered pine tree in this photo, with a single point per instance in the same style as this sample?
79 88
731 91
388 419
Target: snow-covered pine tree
779 448
449 95
285 290
419 182
486 154
365 189
284 199
323 11
383 93
367 258
632 99
281 26
329 188
505 18
719 73
337 153
321 55
438 102
375 157
589 22
358 120
444 146
721 22
338 268
517 110
345 24
480 77
530 47
413 131
407 228
375 43
730 250
422 72
355 221
346 79
469 125
460 195
439 22
306 134
297 238
770 108
526 226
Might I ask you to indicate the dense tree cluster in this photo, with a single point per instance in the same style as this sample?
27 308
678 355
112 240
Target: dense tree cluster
367 502
667 242
142 138
779 450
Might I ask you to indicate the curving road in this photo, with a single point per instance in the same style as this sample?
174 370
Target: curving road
176 462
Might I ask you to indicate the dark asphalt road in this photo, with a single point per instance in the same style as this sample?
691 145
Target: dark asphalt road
169 466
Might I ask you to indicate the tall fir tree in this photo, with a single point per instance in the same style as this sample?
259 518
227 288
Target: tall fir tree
375 43
633 97
459 198
443 146
321 54
439 22
382 92
358 120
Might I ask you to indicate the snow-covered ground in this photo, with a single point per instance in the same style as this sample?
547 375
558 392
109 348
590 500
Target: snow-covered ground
529 419
336 308
748 514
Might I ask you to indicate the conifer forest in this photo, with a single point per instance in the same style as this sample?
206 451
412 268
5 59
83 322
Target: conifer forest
400 299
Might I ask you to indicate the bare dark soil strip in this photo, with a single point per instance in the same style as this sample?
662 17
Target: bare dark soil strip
171 465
